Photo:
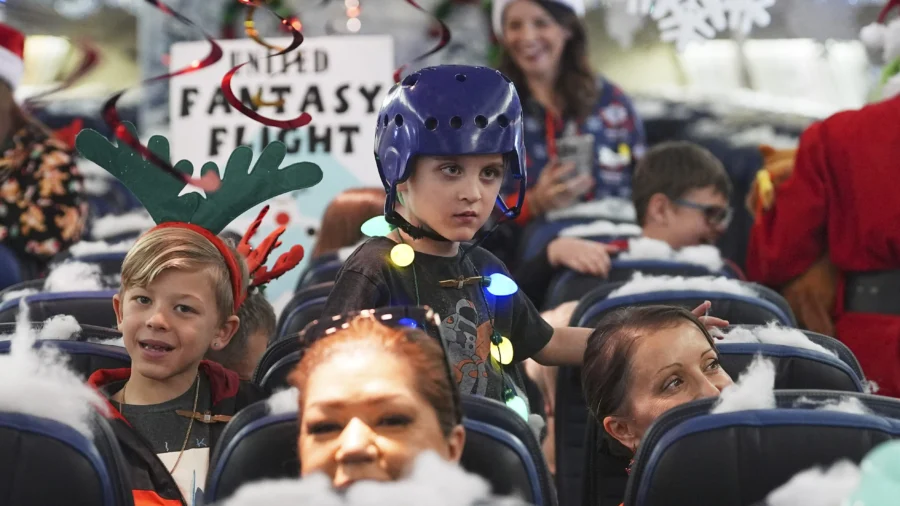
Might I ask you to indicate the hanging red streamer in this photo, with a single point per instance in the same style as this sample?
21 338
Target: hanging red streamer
300 121
210 181
445 39
88 62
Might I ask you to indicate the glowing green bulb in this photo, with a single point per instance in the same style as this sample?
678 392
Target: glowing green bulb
376 227
516 404
402 255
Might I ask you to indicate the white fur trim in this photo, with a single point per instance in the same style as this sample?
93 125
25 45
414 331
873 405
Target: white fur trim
872 36
891 88
892 41
609 208
644 248
284 401
774 334
819 486
12 68
500 5
601 227
649 284
111 225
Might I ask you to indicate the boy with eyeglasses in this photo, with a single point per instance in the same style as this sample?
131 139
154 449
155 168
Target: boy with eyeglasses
681 192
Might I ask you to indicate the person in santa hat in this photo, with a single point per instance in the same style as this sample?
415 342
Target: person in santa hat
569 110
842 201
41 208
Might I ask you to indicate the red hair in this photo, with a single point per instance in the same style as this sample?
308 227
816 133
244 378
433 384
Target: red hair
421 353
344 216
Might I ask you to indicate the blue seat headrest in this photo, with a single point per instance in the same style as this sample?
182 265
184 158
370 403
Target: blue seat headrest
500 448
750 452
38 452
89 308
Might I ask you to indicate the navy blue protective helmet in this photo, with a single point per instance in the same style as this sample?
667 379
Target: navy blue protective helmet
449 110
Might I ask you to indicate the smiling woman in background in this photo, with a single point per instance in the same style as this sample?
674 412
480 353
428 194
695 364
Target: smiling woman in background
570 113
41 209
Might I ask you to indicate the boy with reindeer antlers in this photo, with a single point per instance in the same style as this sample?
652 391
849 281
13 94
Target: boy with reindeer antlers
182 288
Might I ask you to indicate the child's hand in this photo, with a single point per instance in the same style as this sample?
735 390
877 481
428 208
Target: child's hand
711 322
581 255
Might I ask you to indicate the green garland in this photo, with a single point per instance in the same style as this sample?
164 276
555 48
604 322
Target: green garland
445 8
235 8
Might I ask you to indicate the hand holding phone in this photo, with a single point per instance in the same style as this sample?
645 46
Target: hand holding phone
577 149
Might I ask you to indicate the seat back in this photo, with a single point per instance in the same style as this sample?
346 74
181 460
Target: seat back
311 265
48 462
569 285
571 410
20 289
500 448
764 306
109 263
88 308
795 368
87 333
321 270
84 358
752 452
304 307
538 234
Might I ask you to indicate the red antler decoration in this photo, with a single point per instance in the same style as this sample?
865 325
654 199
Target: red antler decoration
256 258
68 133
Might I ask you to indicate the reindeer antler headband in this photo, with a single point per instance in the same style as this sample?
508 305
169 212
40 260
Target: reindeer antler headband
241 190
256 258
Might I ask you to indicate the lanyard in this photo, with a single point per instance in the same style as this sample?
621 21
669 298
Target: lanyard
550 127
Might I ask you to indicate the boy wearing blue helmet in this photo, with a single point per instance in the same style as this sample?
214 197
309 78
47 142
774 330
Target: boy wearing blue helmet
446 137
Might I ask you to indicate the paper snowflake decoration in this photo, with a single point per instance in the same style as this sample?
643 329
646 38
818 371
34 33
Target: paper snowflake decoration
686 21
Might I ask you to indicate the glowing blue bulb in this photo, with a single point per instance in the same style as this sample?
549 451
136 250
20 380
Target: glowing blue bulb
408 322
501 285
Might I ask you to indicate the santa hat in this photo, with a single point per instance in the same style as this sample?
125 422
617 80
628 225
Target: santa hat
576 6
12 55
886 37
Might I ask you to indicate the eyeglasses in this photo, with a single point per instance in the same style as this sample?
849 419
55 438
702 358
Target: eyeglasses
410 317
719 216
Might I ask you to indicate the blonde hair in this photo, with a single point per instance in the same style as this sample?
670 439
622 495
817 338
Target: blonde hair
182 249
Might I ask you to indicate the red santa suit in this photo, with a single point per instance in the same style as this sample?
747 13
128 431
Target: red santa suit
844 198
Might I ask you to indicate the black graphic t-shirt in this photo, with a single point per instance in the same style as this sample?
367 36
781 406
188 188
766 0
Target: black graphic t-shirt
369 280
165 430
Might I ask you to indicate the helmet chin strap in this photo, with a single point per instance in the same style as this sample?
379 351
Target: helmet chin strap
395 219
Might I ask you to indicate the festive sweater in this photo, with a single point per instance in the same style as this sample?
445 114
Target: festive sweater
619 141
224 394
41 208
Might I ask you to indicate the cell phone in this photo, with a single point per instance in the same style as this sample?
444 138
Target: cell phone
578 149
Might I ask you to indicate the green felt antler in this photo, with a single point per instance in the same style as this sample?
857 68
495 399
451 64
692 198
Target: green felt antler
158 191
